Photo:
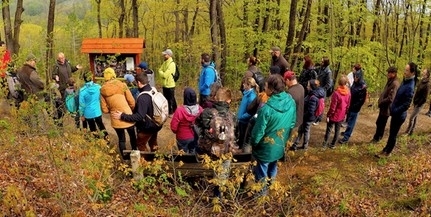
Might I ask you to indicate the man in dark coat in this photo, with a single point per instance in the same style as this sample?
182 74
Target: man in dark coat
279 60
29 79
385 100
62 72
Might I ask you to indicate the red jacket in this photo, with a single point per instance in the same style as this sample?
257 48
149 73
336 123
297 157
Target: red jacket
340 102
182 120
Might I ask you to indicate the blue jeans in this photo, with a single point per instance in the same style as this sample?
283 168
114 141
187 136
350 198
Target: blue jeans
263 170
187 145
351 122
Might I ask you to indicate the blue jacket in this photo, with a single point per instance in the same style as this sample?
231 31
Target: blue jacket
89 100
311 102
206 78
403 98
274 122
247 98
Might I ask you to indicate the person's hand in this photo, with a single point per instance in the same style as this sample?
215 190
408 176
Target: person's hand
82 118
78 66
116 115
327 120
57 78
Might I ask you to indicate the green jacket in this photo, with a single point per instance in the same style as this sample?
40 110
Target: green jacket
274 122
166 72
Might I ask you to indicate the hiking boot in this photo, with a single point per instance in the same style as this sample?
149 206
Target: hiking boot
315 123
305 147
324 144
342 141
332 146
293 148
382 154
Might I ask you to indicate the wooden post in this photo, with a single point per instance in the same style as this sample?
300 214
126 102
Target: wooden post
135 157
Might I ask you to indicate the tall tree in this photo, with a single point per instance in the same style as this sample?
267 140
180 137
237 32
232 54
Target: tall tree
223 41
12 34
376 26
291 30
214 29
135 18
99 20
121 18
49 39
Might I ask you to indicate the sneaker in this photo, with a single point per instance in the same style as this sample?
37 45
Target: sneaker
382 154
342 141
324 144
332 147
293 148
315 123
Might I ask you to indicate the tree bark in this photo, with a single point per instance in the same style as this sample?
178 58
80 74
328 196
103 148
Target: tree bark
291 30
303 33
376 28
49 40
7 25
177 22
12 34
223 41
256 28
135 18
195 15
214 29
121 18
404 33
17 26
99 22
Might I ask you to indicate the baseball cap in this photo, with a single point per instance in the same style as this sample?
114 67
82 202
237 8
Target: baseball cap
168 52
143 65
289 75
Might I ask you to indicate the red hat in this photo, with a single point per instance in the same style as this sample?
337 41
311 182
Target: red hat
289 75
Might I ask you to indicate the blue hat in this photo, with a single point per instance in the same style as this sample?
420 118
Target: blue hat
143 65
129 78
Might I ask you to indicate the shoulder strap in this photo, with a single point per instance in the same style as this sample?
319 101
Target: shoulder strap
150 92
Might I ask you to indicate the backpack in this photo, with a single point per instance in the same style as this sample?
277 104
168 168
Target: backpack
217 132
217 78
14 86
320 107
176 75
160 107
71 100
260 80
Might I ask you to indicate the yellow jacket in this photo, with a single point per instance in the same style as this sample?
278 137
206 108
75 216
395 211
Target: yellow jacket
166 72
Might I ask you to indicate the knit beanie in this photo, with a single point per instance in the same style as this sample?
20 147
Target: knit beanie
109 74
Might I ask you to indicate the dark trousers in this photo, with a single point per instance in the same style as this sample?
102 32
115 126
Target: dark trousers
92 122
242 130
329 127
380 127
121 134
169 94
395 126
144 138
203 99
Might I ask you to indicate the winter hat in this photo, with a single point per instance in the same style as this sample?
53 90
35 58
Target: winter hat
129 78
189 97
143 65
109 74
313 84
274 70
31 57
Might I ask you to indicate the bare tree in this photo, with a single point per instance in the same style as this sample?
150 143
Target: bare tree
291 30
12 35
214 29
99 22
135 18
121 18
49 39
223 41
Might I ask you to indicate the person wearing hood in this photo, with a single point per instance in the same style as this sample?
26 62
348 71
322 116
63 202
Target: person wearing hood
340 101
311 103
206 78
274 124
116 96
419 100
400 105
89 105
166 72
358 93
183 121
385 100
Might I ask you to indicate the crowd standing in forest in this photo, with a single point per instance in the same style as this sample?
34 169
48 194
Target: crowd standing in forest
269 110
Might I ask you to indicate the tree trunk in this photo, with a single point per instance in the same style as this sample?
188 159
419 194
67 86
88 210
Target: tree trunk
303 33
177 22
359 24
265 24
256 28
121 18
49 40
421 33
195 15
17 26
7 25
99 22
404 34
291 30
223 42
278 26
214 29
135 18
376 28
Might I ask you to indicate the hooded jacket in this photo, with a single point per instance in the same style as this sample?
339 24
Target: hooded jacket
340 101
358 93
247 99
206 78
144 107
116 96
311 102
421 93
387 96
183 120
89 100
403 99
274 122
166 71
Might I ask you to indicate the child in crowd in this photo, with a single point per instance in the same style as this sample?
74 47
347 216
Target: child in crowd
340 101
183 122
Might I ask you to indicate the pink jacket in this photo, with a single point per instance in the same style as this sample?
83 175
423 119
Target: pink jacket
182 120
340 102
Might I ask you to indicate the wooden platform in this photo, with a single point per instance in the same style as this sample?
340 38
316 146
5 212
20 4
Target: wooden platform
191 165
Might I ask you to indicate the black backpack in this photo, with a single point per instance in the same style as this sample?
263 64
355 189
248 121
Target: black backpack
176 75
260 79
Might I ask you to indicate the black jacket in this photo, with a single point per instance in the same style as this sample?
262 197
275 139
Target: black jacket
422 91
325 78
144 107
358 93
